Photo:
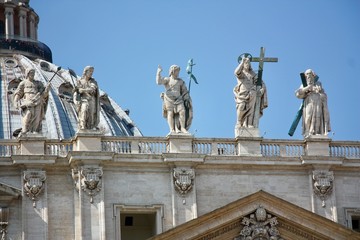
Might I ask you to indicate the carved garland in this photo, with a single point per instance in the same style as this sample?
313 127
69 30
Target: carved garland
34 184
89 180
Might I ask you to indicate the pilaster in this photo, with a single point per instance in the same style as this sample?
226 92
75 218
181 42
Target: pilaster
89 203
34 205
183 187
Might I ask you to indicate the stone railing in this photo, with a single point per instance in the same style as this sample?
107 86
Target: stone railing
148 145
207 146
212 146
9 147
58 148
282 148
345 149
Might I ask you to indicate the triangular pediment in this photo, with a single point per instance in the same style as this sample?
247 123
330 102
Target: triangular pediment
7 192
278 218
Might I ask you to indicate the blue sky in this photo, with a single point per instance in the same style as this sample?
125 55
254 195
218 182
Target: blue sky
126 40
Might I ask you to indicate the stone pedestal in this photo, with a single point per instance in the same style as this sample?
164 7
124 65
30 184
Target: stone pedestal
32 144
246 132
180 143
249 146
87 140
317 145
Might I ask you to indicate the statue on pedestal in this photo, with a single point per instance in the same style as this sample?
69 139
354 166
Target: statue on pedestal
31 97
250 94
247 94
87 100
177 105
315 112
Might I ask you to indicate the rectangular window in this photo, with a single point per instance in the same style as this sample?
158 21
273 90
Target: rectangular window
352 216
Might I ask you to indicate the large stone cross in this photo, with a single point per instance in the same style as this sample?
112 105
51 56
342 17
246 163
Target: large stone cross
261 61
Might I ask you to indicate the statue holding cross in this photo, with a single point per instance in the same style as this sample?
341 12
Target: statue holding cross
250 94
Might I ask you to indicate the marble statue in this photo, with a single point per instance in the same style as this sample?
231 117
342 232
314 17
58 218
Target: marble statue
177 105
316 118
87 101
246 95
31 97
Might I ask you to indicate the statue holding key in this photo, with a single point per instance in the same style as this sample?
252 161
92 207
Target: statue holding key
314 109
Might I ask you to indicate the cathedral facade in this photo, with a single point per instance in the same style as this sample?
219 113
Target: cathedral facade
118 184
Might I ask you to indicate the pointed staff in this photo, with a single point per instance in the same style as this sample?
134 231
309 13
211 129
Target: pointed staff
189 71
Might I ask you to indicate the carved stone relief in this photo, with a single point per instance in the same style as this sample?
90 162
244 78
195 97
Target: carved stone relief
183 180
88 179
4 222
323 184
259 226
34 184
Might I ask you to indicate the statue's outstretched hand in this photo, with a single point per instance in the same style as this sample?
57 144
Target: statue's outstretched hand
159 70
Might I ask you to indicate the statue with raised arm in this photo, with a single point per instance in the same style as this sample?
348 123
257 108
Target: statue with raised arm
177 106
31 98
246 94
87 100
315 115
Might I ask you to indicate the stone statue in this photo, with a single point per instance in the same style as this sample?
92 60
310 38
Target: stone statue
177 106
316 118
246 95
31 97
87 100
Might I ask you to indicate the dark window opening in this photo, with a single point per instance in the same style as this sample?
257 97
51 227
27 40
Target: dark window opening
355 222
137 226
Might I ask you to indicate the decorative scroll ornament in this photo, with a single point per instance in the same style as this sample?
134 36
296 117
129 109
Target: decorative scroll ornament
4 222
89 180
183 180
323 184
34 184
259 226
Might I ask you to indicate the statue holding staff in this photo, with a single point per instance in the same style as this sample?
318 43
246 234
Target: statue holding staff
177 106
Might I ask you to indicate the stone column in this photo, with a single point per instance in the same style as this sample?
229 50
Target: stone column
32 22
34 205
9 21
23 22
89 203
